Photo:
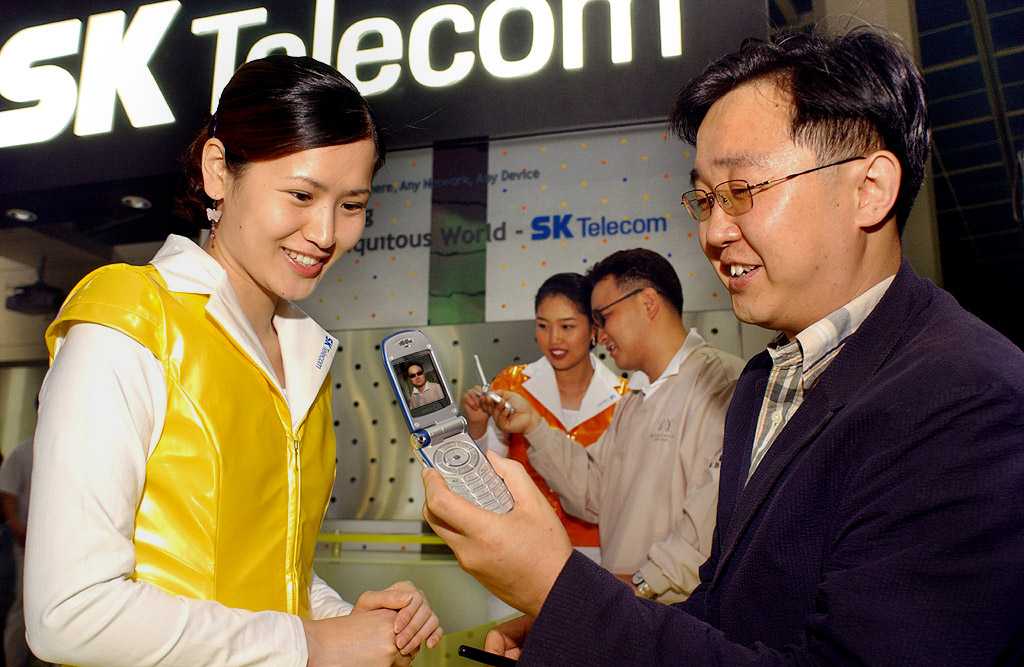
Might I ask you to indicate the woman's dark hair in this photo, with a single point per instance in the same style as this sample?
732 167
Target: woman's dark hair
851 94
572 286
274 107
641 267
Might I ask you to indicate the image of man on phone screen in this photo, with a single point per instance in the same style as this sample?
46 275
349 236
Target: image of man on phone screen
422 390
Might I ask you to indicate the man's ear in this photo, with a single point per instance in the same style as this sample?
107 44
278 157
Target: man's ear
878 188
651 301
215 169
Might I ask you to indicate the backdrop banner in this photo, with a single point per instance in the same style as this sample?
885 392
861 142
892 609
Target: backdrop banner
562 203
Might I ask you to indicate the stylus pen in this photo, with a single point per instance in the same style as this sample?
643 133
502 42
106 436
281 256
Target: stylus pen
486 388
485 658
485 385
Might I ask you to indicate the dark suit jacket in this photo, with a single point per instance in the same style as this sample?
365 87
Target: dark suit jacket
884 526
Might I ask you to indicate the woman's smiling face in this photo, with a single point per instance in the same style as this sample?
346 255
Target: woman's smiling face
563 333
286 221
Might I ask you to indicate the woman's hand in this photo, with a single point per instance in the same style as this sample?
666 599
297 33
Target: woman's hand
415 622
473 410
520 419
507 639
361 638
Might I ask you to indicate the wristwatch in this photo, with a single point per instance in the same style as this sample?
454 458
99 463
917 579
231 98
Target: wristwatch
643 589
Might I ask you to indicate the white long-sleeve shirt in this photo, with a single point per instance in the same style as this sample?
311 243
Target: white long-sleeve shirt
102 409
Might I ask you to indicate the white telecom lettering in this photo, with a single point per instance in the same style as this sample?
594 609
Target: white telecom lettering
115 58
226 27
115 64
419 46
53 87
621 27
670 18
490 38
350 56
323 30
283 41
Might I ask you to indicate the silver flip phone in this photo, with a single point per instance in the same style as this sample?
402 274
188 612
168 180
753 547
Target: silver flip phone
437 430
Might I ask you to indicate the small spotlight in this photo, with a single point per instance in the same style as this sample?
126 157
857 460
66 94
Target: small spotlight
21 215
136 202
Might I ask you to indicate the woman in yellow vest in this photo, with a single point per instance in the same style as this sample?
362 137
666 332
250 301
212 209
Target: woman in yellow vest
568 386
185 450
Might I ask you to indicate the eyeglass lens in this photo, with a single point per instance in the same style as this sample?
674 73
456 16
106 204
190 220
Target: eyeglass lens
733 196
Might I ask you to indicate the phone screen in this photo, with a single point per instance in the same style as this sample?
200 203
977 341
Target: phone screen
422 390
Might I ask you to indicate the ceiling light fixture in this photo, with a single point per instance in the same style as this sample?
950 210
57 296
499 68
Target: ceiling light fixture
136 202
21 215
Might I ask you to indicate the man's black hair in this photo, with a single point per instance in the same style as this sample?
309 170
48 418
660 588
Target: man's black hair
851 94
640 267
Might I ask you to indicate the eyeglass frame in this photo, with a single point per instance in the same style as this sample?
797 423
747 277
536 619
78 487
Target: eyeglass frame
597 314
713 195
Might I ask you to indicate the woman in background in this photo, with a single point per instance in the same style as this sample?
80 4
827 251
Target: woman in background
568 386
185 451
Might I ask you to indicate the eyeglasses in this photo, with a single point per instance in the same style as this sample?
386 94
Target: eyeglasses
598 313
415 375
737 197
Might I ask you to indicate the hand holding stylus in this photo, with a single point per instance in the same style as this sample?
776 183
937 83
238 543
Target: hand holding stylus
513 414
485 389
474 412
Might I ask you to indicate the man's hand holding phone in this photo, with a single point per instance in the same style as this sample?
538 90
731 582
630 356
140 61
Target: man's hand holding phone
516 555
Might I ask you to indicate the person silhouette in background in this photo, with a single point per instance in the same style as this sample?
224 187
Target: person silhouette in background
15 493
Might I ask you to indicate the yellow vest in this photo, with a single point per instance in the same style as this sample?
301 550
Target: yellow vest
233 498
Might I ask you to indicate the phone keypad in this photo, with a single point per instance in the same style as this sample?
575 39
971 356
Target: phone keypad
471 476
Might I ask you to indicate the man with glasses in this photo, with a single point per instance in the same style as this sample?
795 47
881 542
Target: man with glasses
421 390
651 481
870 507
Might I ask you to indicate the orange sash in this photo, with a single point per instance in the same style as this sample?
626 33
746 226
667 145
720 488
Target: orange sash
581 533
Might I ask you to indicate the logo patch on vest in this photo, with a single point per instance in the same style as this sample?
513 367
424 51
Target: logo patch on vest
328 344
663 431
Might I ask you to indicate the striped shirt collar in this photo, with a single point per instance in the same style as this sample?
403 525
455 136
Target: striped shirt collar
813 347
797 365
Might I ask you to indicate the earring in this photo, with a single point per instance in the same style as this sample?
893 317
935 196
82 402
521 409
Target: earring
213 215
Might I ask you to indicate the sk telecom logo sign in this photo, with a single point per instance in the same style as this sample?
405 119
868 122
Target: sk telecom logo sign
116 55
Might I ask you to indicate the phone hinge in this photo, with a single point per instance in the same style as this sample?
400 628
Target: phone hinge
441 430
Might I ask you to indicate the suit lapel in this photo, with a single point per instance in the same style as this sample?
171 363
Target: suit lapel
740 422
863 354
813 415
